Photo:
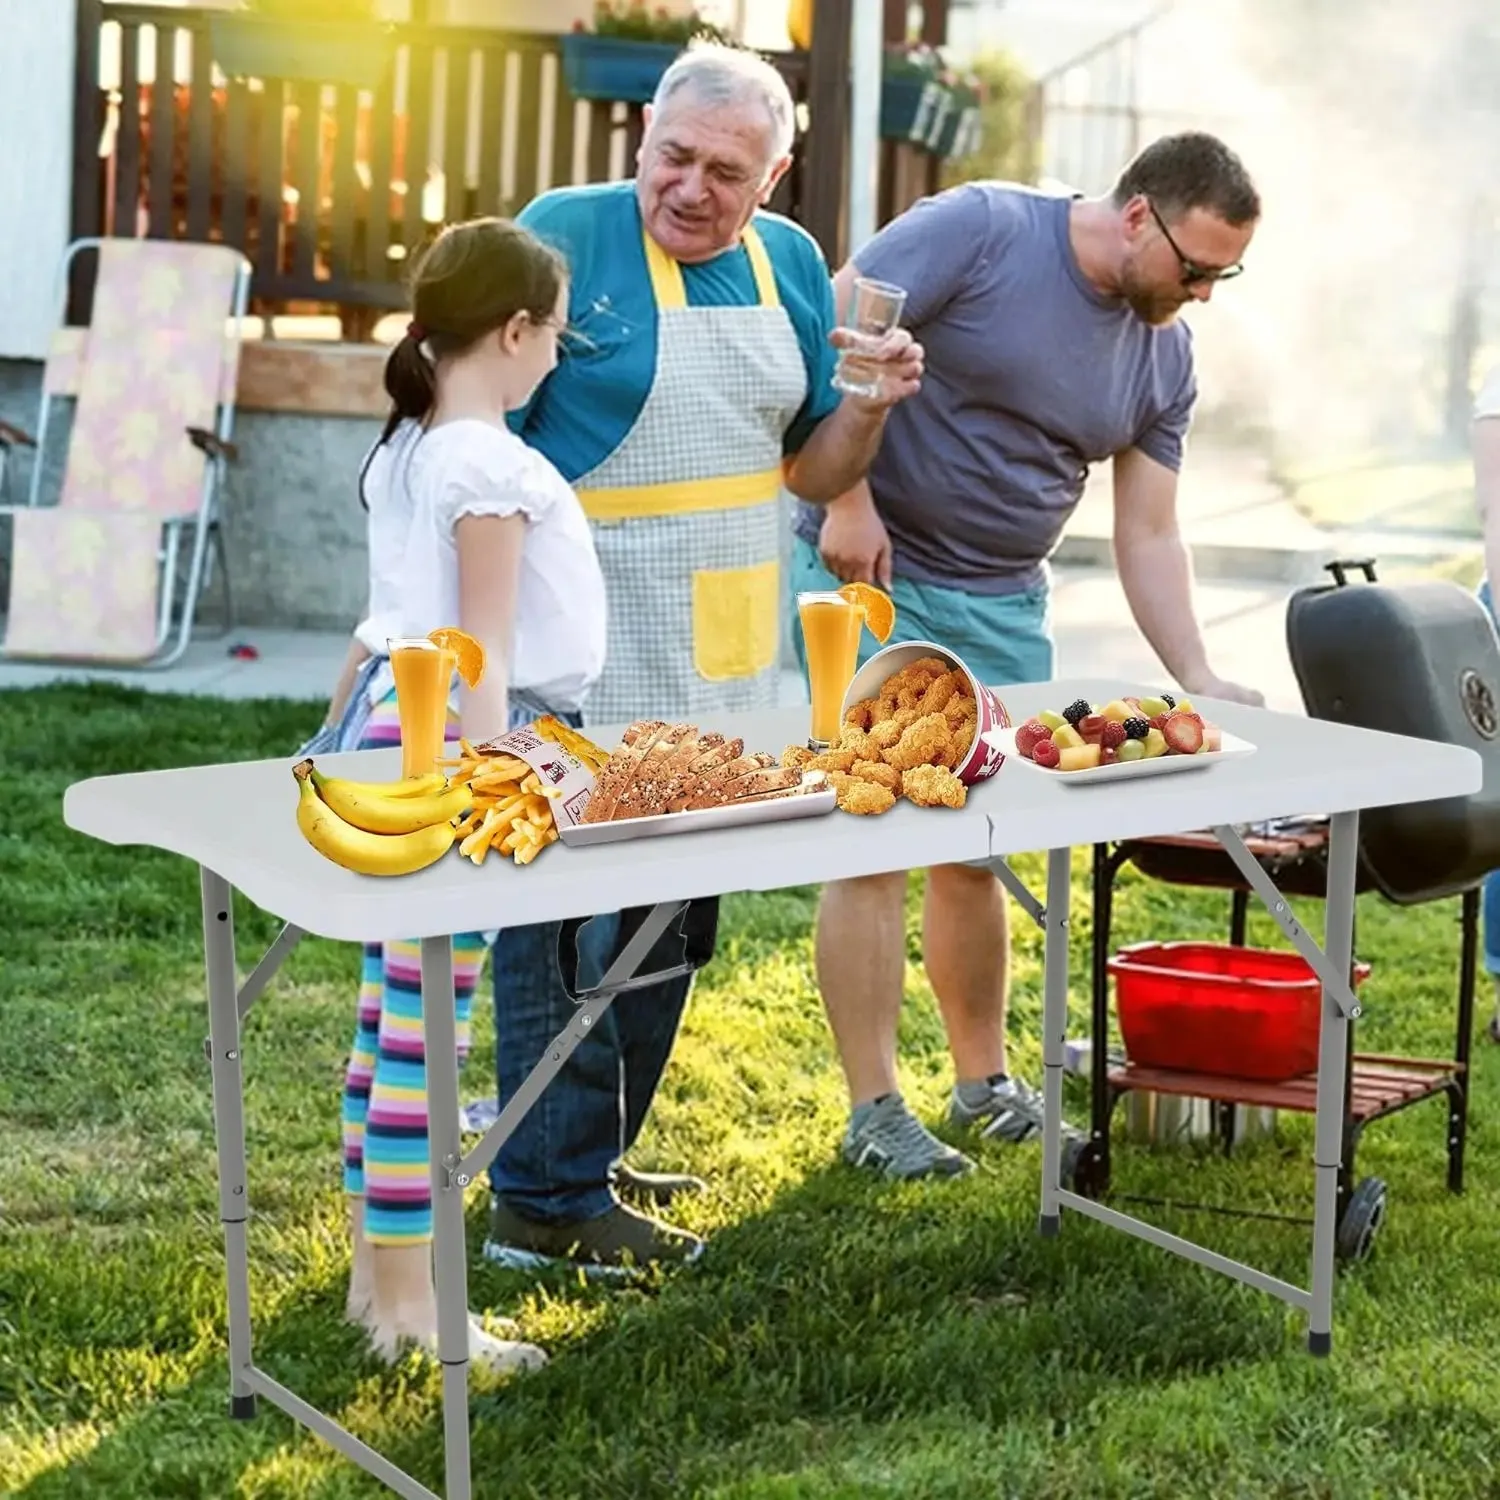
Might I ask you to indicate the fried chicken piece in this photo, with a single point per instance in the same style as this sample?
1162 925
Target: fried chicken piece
920 744
857 740
884 735
929 666
858 714
958 708
939 691
796 755
910 695
863 798
881 711
832 760
933 786
877 772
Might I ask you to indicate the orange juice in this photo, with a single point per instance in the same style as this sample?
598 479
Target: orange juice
831 627
423 674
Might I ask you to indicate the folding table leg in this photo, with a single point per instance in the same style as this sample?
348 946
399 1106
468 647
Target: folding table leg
1333 1046
1054 1033
450 1266
229 1126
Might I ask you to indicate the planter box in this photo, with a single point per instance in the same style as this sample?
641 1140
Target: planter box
911 106
614 67
956 131
313 51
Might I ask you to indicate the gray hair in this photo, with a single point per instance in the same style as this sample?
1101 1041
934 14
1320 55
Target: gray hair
724 77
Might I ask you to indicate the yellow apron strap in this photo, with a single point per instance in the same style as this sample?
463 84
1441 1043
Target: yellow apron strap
666 275
760 266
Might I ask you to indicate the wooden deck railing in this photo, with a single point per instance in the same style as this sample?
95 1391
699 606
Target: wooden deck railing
329 188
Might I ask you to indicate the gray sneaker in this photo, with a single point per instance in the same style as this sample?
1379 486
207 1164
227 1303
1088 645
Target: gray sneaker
1011 1112
886 1137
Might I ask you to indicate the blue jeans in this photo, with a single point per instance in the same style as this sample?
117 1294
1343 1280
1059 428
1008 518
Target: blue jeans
1003 638
1491 907
557 1165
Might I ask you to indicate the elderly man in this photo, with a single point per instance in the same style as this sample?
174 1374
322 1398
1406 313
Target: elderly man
696 378
1051 342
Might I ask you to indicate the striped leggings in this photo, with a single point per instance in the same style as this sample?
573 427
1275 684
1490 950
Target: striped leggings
385 1087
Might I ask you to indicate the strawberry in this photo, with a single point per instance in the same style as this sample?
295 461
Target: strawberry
1030 735
1183 733
1113 734
1091 727
1046 753
1107 756
1160 721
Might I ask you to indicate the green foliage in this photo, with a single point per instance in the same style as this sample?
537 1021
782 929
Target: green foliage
314 10
843 1337
1008 147
640 22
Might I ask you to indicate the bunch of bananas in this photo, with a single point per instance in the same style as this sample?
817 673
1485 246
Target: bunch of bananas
380 828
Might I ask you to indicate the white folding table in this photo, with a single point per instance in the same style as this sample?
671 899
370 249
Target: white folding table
1301 765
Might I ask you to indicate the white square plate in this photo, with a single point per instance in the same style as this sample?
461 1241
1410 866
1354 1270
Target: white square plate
1233 748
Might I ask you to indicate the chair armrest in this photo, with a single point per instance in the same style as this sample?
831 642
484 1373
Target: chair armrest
214 446
12 436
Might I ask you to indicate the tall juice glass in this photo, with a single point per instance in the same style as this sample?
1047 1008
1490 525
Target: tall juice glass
423 674
831 627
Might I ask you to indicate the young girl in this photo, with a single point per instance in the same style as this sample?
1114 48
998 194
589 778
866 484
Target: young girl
468 527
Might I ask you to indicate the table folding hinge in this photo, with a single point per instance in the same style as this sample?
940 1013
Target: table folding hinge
454 1176
1001 870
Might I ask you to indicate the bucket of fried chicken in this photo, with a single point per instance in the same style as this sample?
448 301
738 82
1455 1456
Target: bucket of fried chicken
917 705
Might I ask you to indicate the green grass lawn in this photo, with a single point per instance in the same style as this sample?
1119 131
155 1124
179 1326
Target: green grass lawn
843 1338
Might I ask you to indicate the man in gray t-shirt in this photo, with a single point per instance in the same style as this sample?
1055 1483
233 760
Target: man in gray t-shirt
1051 339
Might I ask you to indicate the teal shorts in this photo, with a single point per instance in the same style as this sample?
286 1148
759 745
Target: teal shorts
1004 638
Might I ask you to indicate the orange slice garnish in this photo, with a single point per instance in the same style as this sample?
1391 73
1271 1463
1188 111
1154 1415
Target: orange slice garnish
467 652
880 612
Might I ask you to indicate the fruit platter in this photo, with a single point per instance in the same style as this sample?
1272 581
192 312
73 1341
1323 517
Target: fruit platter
1128 736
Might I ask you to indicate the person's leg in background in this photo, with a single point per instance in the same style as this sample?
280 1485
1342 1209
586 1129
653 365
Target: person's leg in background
1491 889
553 1179
860 955
385 1129
966 913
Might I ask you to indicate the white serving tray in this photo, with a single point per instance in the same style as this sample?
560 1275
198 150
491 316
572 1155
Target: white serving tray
1232 747
808 803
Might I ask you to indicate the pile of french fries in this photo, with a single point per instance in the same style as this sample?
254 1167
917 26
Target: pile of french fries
512 811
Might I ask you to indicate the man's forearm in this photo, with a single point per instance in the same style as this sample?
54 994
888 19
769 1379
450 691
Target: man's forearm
1156 572
837 455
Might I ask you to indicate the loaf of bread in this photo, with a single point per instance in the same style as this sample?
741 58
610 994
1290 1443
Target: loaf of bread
665 768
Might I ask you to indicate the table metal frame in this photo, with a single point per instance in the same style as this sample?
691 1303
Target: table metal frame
452 1170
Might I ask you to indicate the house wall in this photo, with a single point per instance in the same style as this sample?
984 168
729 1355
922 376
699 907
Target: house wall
36 107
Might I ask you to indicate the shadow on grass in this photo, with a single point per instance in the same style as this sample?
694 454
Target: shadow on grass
837 1305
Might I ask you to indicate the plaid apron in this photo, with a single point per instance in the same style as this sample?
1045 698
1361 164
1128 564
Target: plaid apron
685 512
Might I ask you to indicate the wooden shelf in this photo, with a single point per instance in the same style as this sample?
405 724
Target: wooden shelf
1379 1085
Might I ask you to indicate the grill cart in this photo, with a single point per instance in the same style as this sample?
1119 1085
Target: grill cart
1231 1024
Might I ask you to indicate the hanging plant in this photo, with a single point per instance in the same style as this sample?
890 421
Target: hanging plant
630 46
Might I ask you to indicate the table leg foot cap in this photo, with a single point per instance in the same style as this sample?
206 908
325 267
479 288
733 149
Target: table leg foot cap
1320 1344
242 1408
1049 1226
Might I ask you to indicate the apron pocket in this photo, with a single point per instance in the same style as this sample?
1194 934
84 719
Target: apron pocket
736 620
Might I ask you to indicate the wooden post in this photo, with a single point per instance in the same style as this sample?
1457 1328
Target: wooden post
826 166
88 125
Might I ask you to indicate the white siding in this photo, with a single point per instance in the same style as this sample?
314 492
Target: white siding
36 124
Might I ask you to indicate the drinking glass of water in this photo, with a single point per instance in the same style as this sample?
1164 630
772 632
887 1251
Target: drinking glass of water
874 310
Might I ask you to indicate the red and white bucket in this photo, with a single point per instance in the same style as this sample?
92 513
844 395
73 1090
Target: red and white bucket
983 760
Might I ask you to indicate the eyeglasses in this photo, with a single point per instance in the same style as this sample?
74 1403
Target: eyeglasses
1192 272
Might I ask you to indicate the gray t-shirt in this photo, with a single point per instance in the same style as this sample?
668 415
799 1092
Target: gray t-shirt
1031 376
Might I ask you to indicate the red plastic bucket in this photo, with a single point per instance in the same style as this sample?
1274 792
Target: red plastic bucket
1216 1008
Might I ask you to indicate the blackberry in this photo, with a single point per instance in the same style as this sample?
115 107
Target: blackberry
1137 729
1080 708
1169 700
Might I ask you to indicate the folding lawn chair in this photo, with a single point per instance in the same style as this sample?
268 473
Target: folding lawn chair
94 577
